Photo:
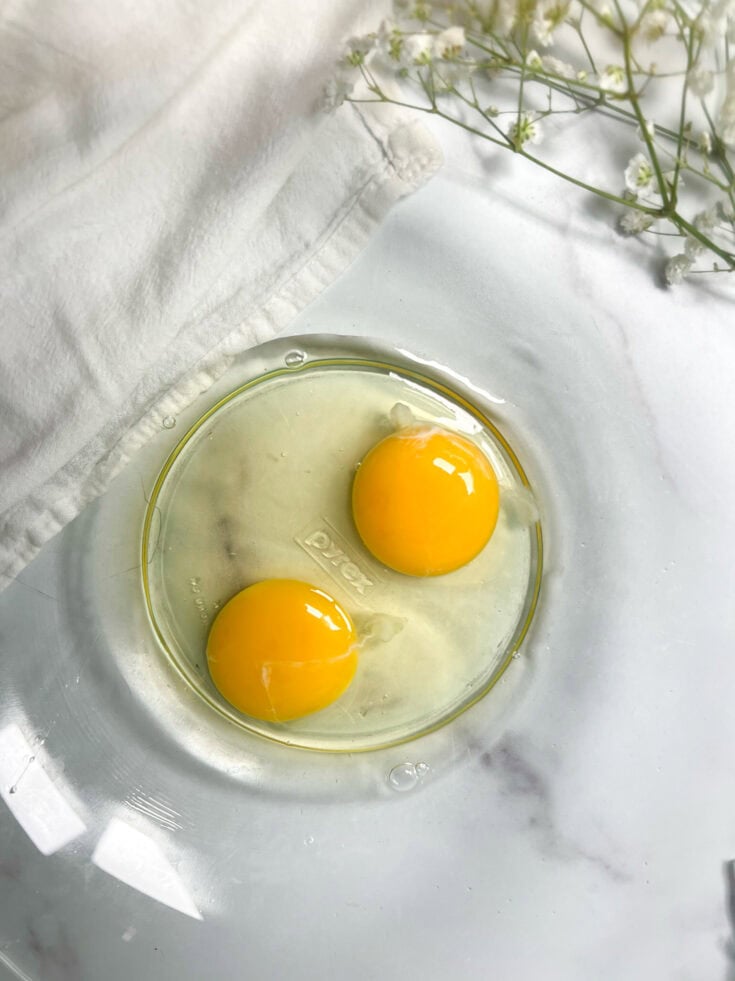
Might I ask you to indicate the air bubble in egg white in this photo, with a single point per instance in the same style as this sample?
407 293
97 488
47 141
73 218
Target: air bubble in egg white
406 776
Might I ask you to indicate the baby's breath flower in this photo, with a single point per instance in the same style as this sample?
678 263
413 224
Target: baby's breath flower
427 49
706 221
496 16
421 11
506 15
359 49
653 25
639 174
604 11
335 92
390 41
526 129
700 81
633 222
448 75
650 130
542 30
677 268
726 120
713 21
556 67
548 15
419 48
448 45
693 248
613 79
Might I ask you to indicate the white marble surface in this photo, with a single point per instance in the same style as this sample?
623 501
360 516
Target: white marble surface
582 830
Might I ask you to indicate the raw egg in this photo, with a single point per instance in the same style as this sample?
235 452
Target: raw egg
425 501
282 649
262 488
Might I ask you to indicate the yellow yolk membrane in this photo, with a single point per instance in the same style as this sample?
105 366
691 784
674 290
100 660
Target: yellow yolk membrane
281 649
425 501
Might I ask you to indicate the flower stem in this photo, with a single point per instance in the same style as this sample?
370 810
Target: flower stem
684 226
633 98
447 79
682 110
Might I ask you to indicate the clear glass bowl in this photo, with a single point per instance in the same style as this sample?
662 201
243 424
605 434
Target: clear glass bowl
259 487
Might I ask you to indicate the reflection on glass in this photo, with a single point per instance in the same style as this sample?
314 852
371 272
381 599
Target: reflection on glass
135 859
35 801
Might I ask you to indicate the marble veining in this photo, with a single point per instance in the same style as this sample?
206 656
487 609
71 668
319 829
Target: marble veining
528 787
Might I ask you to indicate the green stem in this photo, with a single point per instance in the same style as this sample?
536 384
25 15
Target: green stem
436 111
475 105
720 154
580 35
709 178
682 110
608 24
684 226
521 84
654 212
428 110
574 88
633 99
429 90
584 96
674 217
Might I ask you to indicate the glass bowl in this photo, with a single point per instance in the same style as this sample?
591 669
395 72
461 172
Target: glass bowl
259 487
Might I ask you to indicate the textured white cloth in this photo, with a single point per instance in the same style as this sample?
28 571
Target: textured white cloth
170 193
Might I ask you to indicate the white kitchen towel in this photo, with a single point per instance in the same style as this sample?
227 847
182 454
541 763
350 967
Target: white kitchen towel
170 194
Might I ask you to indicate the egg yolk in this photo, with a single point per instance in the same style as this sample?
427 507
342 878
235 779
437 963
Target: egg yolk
425 501
281 649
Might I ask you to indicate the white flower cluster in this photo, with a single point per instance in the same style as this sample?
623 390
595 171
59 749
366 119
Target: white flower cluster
715 20
639 175
726 121
551 65
613 80
391 46
677 268
634 222
525 129
419 47
448 56
654 24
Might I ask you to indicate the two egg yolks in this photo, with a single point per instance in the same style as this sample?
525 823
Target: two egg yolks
281 649
425 502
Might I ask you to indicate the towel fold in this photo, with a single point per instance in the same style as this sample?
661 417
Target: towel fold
170 194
